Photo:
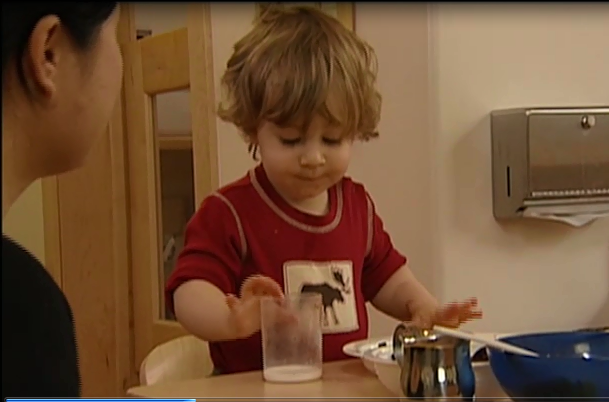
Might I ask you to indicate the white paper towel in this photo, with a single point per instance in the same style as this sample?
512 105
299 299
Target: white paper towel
572 215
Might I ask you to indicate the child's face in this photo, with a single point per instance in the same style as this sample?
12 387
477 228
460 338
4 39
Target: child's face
303 165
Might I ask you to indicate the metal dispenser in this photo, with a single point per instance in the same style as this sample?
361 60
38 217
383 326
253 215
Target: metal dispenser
551 163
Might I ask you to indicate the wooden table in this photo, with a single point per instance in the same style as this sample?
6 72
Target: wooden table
344 379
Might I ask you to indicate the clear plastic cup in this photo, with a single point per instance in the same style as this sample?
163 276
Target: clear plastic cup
292 338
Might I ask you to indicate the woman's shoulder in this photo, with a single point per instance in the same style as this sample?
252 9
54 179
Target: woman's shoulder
28 288
24 276
38 339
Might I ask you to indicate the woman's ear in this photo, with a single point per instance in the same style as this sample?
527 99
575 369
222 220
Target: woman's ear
43 54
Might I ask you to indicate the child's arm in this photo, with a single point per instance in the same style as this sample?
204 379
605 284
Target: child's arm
404 298
202 310
393 289
208 268
387 281
402 294
224 317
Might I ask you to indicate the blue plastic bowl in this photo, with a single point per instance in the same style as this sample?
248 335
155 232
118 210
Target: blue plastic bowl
559 374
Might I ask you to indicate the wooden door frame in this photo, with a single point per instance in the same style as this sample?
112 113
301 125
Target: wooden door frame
186 61
87 251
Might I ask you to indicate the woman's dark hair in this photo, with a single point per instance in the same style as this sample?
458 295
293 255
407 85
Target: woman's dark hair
82 20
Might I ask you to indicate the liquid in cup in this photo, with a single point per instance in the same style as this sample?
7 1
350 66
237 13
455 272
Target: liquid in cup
292 338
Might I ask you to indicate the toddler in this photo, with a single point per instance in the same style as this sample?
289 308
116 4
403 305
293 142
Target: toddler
301 89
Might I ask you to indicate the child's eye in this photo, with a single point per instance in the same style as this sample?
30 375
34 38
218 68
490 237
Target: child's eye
290 141
333 141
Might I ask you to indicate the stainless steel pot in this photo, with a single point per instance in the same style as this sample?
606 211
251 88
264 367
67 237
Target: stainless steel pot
433 366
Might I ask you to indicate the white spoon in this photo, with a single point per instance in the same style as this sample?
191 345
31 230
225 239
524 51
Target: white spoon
493 343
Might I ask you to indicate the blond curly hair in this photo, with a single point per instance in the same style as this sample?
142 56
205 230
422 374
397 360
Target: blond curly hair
298 62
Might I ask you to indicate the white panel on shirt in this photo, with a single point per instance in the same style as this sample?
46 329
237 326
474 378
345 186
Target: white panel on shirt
334 281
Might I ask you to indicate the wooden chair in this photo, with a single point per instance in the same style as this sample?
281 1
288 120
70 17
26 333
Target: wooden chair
182 358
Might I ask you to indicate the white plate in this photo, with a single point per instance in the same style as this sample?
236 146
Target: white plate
386 369
358 348
383 355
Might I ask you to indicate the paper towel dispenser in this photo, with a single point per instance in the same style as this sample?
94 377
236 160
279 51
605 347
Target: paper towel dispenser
550 160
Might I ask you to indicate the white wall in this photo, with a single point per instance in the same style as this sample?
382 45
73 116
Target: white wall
230 21
489 56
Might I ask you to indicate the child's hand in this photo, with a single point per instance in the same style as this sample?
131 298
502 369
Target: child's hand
245 311
451 315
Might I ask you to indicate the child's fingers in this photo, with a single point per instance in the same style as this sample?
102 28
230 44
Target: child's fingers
447 313
232 302
286 317
472 301
258 285
422 321
467 313
268 287
474 314
454 323
448 317
455 314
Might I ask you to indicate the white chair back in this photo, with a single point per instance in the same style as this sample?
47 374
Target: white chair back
182 358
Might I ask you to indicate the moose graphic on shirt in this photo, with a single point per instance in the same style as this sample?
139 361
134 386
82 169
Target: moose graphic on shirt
334 282
330 295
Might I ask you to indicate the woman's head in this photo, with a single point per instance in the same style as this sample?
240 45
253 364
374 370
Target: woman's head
61 76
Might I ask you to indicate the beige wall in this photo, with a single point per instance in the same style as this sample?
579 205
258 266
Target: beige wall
439 82
24 222
435 142
396 168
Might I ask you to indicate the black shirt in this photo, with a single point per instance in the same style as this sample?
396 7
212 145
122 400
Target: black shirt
39 355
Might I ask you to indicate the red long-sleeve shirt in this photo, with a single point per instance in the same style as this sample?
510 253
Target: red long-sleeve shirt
247 228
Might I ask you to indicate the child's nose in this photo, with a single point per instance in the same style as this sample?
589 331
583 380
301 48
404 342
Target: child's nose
312 157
